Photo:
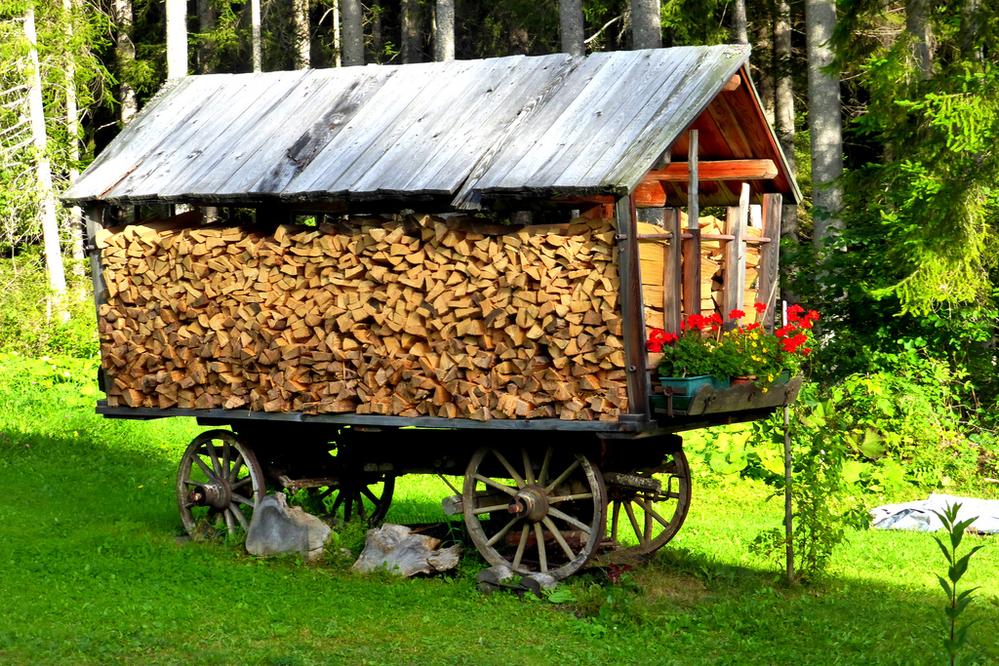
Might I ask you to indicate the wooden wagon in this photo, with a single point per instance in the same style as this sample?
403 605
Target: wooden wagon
444 268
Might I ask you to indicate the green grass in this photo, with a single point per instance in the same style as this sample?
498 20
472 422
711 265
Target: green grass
92 571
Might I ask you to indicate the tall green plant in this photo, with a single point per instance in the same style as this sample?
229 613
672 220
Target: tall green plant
957 566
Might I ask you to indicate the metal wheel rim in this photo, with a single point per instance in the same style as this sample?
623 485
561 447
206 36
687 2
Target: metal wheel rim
218 457
626 515
579 496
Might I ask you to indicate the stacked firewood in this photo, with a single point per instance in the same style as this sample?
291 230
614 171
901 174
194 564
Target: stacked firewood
416 316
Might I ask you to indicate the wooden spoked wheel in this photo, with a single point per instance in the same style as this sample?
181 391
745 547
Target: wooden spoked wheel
534 511
647 508
218 484
362 497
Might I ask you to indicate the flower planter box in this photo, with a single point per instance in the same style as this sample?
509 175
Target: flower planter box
683 389
717 397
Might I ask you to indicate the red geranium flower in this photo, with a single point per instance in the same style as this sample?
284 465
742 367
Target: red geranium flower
736 314
760 307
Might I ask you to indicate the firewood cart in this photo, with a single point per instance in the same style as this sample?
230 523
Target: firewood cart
443 268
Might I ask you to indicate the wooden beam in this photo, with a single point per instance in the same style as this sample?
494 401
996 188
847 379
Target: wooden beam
672 273
770 257
649 194
733 83
741 170
632 307
734 291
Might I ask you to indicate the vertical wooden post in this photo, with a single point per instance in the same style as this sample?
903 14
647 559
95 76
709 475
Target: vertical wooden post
692 248
770 257
672 272
632 310
734 294
93 216
788 508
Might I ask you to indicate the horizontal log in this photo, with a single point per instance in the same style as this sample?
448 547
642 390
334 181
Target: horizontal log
677 172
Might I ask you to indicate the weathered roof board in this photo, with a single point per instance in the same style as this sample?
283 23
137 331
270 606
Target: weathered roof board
545 125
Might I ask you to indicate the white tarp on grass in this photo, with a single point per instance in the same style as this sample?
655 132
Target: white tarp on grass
919 516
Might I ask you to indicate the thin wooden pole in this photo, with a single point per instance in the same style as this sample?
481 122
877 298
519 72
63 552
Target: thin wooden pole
788 506
692 248
632 310
672 272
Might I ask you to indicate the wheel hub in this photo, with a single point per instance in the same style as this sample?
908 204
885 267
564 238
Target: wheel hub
530 502
215 494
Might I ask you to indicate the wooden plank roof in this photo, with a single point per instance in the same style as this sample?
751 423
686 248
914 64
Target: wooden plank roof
467 129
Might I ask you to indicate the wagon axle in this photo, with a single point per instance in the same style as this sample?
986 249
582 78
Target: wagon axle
215 494
531 503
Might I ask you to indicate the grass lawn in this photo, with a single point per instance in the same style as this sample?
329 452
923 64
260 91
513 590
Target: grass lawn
92 571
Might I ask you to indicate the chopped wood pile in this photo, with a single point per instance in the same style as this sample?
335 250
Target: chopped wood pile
653 255
412 316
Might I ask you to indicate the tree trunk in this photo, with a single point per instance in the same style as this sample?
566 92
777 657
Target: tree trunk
206 26
255 45
570 18
824 121
352 37
784 104
125 53
176 38
444 30
970 49
303 41
764 75
646 24
411 31
337 36
740 29
70 9
376 32
918 26
43 172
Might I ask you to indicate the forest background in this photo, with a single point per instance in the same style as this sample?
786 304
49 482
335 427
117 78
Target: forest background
889 111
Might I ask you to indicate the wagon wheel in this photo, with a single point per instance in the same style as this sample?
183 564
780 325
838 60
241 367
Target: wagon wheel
365 497
647 508
544 513
218 483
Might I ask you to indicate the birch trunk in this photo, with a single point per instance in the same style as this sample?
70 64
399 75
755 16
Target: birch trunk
337 36
43 172
570 18
69 9
303 41
444 30
917 25
740 29
352 37
646 24
824 121
206 26
255 45
784 104
411 31
176 38
121 11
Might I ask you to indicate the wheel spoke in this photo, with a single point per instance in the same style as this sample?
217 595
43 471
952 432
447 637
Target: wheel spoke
242 482
545 463
215 460
336 503
509 468
237 464
524 533
662 521
502 533
528 468
370 495
558 537
570 498
615 514
204 467
240 516
230 522
634 522
646 508
242 500
489 509
563 476
225 456
569 519
542 551
495 484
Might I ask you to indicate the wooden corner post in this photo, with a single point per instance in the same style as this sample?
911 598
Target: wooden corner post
93 218
632 311
734 293
773 206
692 248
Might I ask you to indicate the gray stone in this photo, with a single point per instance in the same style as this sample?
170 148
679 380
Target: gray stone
277 528
397 549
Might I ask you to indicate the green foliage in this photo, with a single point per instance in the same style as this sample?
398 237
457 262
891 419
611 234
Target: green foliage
957 567
26 326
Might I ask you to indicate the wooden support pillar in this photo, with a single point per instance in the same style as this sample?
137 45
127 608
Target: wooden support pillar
770 257
734 294
672 272
93 219
632 310
692 248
